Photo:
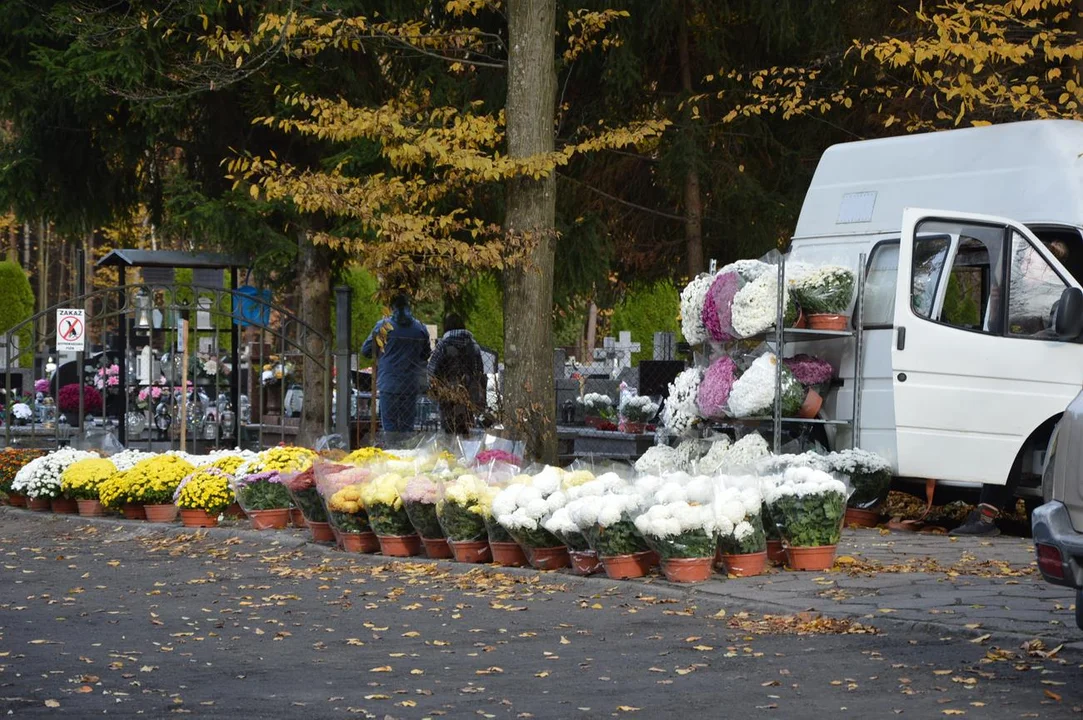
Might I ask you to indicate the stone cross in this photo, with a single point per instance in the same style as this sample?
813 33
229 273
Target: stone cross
617 353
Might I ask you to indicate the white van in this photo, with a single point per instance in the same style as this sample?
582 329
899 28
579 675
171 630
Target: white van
971 237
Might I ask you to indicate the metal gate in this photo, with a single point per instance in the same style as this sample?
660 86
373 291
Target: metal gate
135 376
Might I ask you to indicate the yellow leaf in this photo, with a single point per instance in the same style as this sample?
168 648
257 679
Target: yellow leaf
981 638
408 703
377 697
565 641
955 712
52 703
702 648
354 641
542 674
415 671
382 668
627 708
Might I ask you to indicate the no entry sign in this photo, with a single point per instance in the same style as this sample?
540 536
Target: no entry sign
70 330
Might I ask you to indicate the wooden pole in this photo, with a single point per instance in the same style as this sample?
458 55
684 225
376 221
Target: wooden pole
184 385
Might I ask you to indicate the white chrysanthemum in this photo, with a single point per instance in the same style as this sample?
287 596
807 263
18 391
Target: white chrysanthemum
560 522
658 459
744 454
754 392
681 413
711 463
755 306
692 299
127 459
40 478
855 461
749 270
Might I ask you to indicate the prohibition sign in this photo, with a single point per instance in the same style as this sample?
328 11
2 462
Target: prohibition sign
70 329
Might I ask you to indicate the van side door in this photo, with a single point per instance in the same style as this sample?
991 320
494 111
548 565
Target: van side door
976 365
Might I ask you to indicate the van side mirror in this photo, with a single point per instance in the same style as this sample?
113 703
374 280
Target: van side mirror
1068 323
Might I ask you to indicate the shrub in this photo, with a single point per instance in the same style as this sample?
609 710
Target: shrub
17 305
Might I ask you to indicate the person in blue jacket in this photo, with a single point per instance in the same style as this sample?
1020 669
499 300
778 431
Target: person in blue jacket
402 348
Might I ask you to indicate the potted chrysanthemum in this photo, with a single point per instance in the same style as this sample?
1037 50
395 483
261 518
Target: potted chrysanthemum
11 461
264 498
608 525
306 500
522 509
203 495
636 412
742 543
153 481
808 506
870 478
465 504
824 294
81 480
340 487
387 513
684 536
39 480
419 498
598 410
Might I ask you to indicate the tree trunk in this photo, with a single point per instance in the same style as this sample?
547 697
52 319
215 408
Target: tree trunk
314 285
529 393
693 200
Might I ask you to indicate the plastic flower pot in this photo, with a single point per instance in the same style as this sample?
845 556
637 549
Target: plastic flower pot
508 554
810 408
235 511
276 519
820 557
90 508
400 545
64 506
17 500
649 559
437 548
828 321
801 322
321 531
134 511
38 504
776 552
161 513
856 517
197 518
746 565
549 558
471 551
623 567
297 518
687 570
585 562
365 542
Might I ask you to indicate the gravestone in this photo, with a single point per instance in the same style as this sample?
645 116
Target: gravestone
617 353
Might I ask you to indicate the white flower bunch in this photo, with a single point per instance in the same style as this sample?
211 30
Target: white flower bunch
779 464
40 478
855 461
740 500
797 270
827 289
755 306
689 451
596 402
749 270
214 455
804 482
681 412
127 459
754 392
603 510
744 454
682 487
658 459
638 408
692 298
21 411
711 463
525 506
666 520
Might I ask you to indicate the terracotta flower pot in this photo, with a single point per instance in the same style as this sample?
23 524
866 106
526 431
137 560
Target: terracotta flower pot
437 548
471 551
276 519
810 558
134 511
687 570
508 554
585 562
297 518
747 565
235 511
198 518
623 567
634 428
161 513
801 322
400 545
38 504
810 408
648 559
321 532
776 552
365 542
64 506
90 508
549 558
828 321
856 517
16 500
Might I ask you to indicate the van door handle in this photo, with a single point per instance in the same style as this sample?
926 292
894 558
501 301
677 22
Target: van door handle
900 338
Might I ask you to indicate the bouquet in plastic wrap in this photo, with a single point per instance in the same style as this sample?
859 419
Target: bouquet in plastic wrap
419 497
753 393
741 502
522 508
382 498
870 476
339 487
825 290
464 508
681 520
808 506
262 490
302 489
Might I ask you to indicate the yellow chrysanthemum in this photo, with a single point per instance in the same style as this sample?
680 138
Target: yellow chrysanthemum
81 479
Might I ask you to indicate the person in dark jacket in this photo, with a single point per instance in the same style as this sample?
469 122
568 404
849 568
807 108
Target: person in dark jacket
457 377
402 346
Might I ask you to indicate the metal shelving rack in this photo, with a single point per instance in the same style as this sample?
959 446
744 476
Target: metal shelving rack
782 336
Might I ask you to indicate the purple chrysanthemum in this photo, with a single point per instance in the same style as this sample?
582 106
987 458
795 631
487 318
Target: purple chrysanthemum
718 307
810 370
714 390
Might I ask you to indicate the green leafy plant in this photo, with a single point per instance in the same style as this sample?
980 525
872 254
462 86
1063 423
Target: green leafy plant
827 289
389 521
619 538
264 494
496 531
423 518
308 500
689 544
357 522
459 523
754 542
811 520
16 306
535 538
770 529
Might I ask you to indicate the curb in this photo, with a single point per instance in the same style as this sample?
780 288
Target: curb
656 586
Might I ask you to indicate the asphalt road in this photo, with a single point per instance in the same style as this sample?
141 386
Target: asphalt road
98 620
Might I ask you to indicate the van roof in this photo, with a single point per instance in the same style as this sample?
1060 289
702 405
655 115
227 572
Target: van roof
1029 171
